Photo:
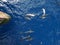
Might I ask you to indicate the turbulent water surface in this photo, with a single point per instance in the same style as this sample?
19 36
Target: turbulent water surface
33 22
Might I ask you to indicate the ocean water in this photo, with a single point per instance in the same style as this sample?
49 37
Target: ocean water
33 22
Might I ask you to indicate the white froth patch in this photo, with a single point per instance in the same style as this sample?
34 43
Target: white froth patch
4 0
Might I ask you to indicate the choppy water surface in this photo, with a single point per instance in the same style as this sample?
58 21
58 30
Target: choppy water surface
33 22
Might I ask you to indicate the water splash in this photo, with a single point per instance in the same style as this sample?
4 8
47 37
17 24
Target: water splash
10 1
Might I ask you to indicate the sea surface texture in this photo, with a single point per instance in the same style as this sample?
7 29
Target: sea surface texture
33 22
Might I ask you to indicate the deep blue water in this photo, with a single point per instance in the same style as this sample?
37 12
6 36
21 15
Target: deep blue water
46 31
